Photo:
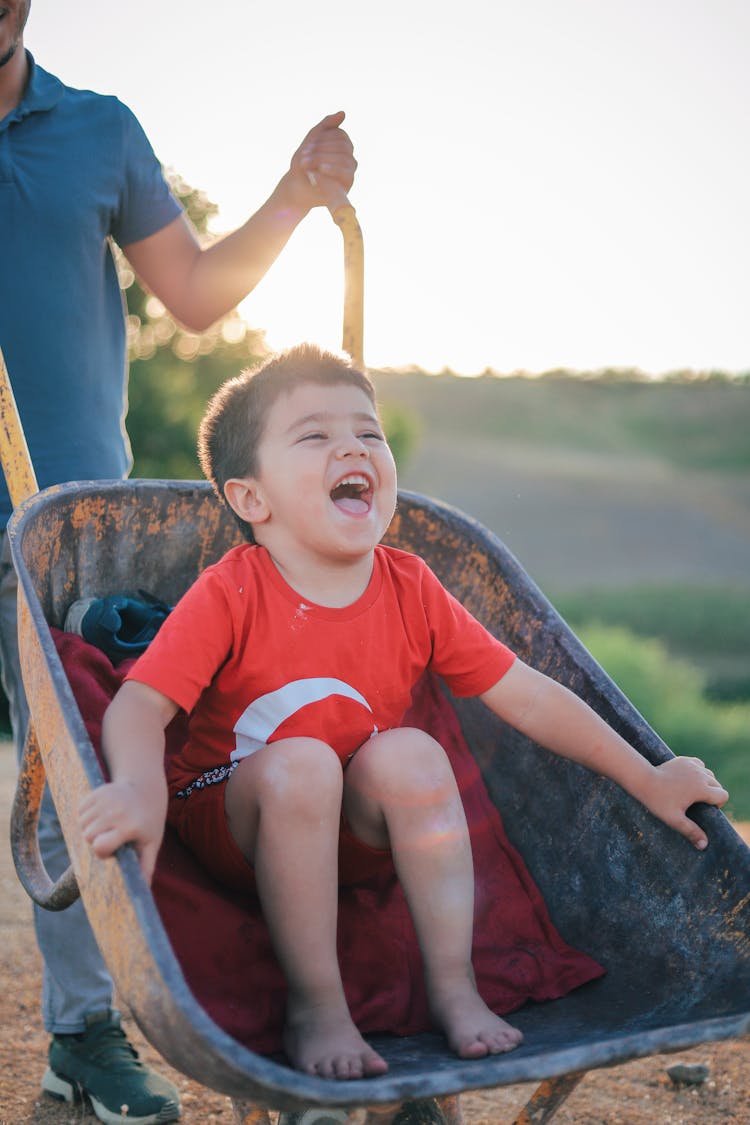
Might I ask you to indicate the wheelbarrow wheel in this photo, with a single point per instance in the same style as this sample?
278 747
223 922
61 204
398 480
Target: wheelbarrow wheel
428 1111
423 1112
317 1116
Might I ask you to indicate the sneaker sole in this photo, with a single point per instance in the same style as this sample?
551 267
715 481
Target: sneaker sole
76 614
63 1090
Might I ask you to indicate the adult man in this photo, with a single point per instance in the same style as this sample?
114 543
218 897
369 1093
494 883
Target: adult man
75 171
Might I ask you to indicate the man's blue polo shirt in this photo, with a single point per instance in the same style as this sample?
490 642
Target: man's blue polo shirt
75 169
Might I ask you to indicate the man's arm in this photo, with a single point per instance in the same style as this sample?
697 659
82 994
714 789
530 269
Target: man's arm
557 719
200 284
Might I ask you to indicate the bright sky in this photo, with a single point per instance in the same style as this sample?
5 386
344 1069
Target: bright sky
542 183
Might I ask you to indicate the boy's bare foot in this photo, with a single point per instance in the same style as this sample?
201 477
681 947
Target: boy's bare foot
471 1029
325 1042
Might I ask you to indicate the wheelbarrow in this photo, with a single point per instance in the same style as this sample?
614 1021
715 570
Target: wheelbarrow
669 925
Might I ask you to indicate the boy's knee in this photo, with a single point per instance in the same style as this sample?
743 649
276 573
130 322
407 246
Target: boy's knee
407 757
297 770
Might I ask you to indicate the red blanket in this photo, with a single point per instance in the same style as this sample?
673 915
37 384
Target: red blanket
222 943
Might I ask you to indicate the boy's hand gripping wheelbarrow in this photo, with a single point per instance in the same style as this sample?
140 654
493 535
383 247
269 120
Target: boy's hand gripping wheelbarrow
670 925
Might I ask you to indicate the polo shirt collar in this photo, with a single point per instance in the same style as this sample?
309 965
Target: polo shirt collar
43 91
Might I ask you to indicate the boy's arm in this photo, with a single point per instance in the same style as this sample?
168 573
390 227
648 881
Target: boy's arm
132 807
557 719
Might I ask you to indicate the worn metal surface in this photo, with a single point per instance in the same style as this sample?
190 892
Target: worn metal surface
670 924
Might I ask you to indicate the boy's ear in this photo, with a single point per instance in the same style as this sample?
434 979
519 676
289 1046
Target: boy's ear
244 496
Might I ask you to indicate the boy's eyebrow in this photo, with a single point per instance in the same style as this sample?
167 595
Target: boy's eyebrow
327 415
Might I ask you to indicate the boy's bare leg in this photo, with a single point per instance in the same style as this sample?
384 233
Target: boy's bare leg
283 807
400 791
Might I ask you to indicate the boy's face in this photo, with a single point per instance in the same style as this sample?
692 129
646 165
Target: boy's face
326 484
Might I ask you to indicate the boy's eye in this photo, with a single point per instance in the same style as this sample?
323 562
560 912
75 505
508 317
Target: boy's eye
316 435
374 435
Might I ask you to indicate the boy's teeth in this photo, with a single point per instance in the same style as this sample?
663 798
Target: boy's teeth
349 494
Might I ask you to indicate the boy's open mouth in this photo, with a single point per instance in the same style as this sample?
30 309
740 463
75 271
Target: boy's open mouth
353 494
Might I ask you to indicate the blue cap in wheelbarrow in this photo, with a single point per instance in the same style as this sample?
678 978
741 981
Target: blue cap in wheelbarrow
121 626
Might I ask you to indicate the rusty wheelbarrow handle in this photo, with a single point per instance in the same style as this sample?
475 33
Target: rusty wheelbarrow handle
14 452
345 218
53 895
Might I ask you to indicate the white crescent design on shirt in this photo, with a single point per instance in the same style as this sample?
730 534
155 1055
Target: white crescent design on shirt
257 722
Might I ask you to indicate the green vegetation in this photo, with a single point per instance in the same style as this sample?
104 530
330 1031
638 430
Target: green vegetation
670 694
401 426
707 626
699 422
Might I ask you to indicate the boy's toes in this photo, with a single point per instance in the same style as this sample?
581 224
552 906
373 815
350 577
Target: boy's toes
496 1039
340 1066
372 1065
502 1040
472 1049
331 1047
345 1067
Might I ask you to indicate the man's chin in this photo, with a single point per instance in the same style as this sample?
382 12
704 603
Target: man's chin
5 59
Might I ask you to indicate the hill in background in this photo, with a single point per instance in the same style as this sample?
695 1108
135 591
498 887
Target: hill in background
591 481
626 500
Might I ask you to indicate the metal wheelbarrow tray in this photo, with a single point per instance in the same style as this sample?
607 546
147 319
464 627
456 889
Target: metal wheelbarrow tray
670 925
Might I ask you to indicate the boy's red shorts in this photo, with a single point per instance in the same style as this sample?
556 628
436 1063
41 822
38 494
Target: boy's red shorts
201 823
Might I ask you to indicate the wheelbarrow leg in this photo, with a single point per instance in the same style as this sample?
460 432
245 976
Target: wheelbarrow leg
430 1111
450 1107
246 1113
548 1098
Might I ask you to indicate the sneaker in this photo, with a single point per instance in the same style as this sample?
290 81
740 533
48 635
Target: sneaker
120 626
102 1066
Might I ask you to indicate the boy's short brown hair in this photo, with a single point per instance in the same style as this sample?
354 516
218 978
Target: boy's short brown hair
234 421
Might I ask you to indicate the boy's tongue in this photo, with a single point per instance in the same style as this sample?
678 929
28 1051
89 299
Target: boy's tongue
351 504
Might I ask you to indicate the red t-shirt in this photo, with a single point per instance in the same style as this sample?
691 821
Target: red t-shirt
252 662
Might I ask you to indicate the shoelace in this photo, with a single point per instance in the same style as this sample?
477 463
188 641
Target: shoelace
107 1044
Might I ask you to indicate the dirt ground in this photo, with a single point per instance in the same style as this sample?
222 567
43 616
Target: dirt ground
637 1093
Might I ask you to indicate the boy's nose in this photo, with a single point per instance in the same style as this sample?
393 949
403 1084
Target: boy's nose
352 447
